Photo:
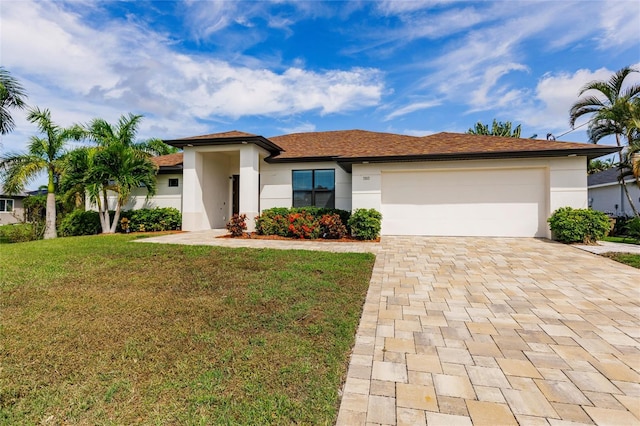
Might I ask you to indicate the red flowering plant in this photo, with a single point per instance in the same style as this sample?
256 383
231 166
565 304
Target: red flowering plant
237 225
303 225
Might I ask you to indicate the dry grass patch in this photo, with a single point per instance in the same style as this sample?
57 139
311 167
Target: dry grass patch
97 330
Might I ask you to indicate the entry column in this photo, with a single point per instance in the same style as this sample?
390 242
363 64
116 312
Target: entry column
249 183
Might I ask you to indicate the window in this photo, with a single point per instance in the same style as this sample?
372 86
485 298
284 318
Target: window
314 188
173 182
6 205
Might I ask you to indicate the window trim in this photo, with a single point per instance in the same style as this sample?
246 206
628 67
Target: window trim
177 181
7 201
313 189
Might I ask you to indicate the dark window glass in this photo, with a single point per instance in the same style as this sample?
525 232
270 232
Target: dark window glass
314 188
324 179
173 182
302 180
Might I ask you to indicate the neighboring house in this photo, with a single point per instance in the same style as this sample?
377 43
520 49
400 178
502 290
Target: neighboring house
444 184
607 194
168 188
11 207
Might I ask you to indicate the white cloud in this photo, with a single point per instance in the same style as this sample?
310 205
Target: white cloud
299 128
417 132
556 93
83 72
408 109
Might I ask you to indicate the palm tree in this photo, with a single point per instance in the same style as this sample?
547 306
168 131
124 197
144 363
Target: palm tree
12 95
43 153
119 164
611 107
498 128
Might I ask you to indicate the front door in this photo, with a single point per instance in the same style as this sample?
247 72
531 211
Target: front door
235 194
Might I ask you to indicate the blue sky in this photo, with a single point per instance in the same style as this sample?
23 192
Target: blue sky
275 67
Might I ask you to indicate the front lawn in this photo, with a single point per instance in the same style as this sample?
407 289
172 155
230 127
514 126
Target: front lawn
626 240
626 258
101 330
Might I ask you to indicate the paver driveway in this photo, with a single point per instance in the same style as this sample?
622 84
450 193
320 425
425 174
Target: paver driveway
495 331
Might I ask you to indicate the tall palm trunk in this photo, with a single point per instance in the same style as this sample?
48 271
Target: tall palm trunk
50 213
623 183
50 217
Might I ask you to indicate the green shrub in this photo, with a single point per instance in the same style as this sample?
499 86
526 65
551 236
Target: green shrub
578 225
158 219
80 222
237 225
331 227
21 232
273 222
365 224
632 228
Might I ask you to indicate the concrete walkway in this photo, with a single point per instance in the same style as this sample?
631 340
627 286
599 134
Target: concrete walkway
498 331
461 331
606 247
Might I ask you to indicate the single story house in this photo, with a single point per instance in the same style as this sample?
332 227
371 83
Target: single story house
607 194
444 184
11 207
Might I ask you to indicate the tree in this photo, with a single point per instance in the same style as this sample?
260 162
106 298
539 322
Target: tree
596 166
118 164
612 106
43 153
498 128
12 95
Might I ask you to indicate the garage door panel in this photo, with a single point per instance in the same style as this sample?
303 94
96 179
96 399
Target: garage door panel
467 202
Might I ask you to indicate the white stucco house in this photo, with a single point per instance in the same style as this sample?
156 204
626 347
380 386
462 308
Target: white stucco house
444 184
607 194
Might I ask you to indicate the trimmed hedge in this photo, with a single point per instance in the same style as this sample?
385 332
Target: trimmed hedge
586 226
80 222
276 221
158 219
313 222
20 232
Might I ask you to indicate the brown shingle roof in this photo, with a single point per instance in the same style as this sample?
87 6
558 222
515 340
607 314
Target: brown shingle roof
223 135
168 160
352 144
359 145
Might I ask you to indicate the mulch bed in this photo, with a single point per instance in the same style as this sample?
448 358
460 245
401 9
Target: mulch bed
254 236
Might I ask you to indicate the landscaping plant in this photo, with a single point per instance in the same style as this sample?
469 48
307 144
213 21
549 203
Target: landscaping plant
331 227
632 228
571 225
365 224
80 222
237 225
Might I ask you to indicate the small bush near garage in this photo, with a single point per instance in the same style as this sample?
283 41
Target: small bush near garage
158 219
80 222
578 225
365 224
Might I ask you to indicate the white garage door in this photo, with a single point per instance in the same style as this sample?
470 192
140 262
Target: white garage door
496 202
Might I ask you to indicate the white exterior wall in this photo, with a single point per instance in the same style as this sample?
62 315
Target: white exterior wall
166 196
565 179
605 198
276 188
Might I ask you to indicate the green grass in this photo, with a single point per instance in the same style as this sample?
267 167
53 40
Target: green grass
626 240
626 258
101 330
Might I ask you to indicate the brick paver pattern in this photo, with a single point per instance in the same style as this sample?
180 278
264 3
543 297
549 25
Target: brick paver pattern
495 331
